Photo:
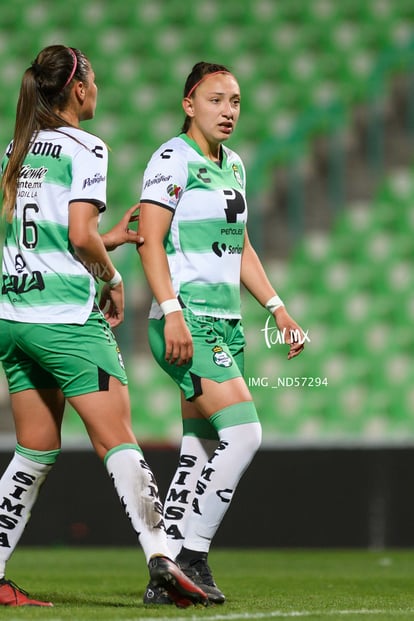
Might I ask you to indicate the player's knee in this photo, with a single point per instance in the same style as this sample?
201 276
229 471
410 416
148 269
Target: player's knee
253 437
239 425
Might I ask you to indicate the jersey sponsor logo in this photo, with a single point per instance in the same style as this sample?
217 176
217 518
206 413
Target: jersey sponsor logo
231 230
13 505
30 180
235 204
42 147
160 178
166 154
220 249
19 263
221 358
202 175
27 172
22 284
97 178
98 151
174 190
211 337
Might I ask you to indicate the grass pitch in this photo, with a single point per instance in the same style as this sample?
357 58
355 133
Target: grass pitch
86 584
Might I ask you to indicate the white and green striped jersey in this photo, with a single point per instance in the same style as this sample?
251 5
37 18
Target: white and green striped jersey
42 279
205 241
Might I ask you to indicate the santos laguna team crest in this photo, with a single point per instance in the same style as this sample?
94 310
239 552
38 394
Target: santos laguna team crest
221 358
237 175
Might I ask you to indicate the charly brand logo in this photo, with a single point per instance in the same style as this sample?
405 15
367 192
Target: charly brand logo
98 151
202 175
274 336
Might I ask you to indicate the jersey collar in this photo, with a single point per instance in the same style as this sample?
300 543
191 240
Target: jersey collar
192 143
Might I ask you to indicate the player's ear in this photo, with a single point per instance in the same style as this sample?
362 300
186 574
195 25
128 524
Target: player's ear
80 90
187 104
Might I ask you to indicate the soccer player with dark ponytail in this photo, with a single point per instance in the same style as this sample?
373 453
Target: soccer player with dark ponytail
56 344
196 254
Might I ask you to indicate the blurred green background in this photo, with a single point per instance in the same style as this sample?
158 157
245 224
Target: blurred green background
326 133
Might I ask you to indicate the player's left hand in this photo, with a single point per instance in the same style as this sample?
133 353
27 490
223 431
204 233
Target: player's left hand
294 335
121 233
112 304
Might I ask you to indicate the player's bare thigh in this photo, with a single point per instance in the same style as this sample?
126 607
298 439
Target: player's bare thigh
216 396
107 416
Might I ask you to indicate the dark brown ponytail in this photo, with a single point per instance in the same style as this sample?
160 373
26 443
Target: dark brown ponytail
44 91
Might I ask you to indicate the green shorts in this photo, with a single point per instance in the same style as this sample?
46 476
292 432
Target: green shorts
218 351
78 359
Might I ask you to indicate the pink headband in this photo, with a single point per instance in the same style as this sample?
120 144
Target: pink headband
72 73
205 76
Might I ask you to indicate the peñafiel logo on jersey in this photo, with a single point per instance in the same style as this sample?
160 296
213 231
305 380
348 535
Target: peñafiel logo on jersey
221 358
89 181
159 178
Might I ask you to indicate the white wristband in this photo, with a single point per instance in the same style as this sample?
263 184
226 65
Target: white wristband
115 280
273 304
170 306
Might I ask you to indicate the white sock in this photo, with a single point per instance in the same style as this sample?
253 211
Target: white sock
138 493
218 481
194 453
19 488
